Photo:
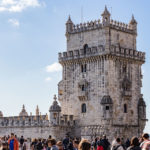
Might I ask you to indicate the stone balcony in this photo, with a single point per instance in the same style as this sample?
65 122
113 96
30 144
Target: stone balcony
83 95
126 93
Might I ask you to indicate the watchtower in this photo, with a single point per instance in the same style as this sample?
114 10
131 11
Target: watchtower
102 78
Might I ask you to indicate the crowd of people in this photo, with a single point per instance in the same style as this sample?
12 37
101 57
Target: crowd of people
12 142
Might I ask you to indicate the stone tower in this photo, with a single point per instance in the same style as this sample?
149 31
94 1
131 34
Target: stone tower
102 79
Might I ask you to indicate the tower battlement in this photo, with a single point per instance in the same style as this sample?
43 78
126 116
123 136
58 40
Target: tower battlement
100 51
98 24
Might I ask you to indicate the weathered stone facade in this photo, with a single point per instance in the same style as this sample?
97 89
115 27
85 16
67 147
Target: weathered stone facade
102 79
100 90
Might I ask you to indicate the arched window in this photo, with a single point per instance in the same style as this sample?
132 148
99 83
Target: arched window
125 108
105 19
85 47
83 108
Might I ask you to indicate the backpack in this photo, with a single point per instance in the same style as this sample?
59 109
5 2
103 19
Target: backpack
116 147
146 145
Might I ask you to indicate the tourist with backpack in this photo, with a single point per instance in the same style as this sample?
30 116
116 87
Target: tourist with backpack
145 145
134 145
117 145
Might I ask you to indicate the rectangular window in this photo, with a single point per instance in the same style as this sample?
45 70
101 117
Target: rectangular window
107 107
83 68
83 87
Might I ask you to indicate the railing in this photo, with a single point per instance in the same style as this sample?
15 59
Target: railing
96 51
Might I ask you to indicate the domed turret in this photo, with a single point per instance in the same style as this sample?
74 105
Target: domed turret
106 106
23 112
55 110
55 107
133 24
141 102
142 108
1 114
106 17
69 25
133 21
106 100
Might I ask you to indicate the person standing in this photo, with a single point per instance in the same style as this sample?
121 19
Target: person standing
117 145
13 143
76 144
145 145
134 144
21 142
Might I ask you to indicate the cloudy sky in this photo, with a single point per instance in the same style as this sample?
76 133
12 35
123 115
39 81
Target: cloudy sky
32 32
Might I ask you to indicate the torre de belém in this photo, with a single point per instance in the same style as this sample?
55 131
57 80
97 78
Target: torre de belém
100 90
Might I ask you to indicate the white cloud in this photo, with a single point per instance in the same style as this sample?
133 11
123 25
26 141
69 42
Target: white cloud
17 5
55 67
48 79
14 22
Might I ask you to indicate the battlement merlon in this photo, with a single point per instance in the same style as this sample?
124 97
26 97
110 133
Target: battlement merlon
100 51
131 28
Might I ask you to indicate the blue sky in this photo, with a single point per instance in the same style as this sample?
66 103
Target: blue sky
32 32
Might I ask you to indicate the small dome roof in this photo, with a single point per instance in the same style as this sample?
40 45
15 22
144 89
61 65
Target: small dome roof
133 21
1 114
106 100
69 20
23 112
55 107
141 102
106 12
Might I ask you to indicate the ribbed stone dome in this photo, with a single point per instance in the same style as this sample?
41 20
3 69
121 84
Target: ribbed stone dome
141 102
55 107
1 114
106 100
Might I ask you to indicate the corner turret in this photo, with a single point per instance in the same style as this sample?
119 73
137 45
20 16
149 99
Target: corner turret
69 25
133 24
105 17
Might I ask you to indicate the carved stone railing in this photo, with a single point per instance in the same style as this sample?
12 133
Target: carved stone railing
99 51
24 121
99 24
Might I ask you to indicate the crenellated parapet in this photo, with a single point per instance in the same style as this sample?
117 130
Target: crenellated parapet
67 120
127 53
100 51
92 25
98 24
24 121
121 26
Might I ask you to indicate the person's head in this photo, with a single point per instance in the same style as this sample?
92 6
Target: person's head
104 136
135 141
84 145
51 142
59 144
12 135
145 136
76 143
50 137
118 140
